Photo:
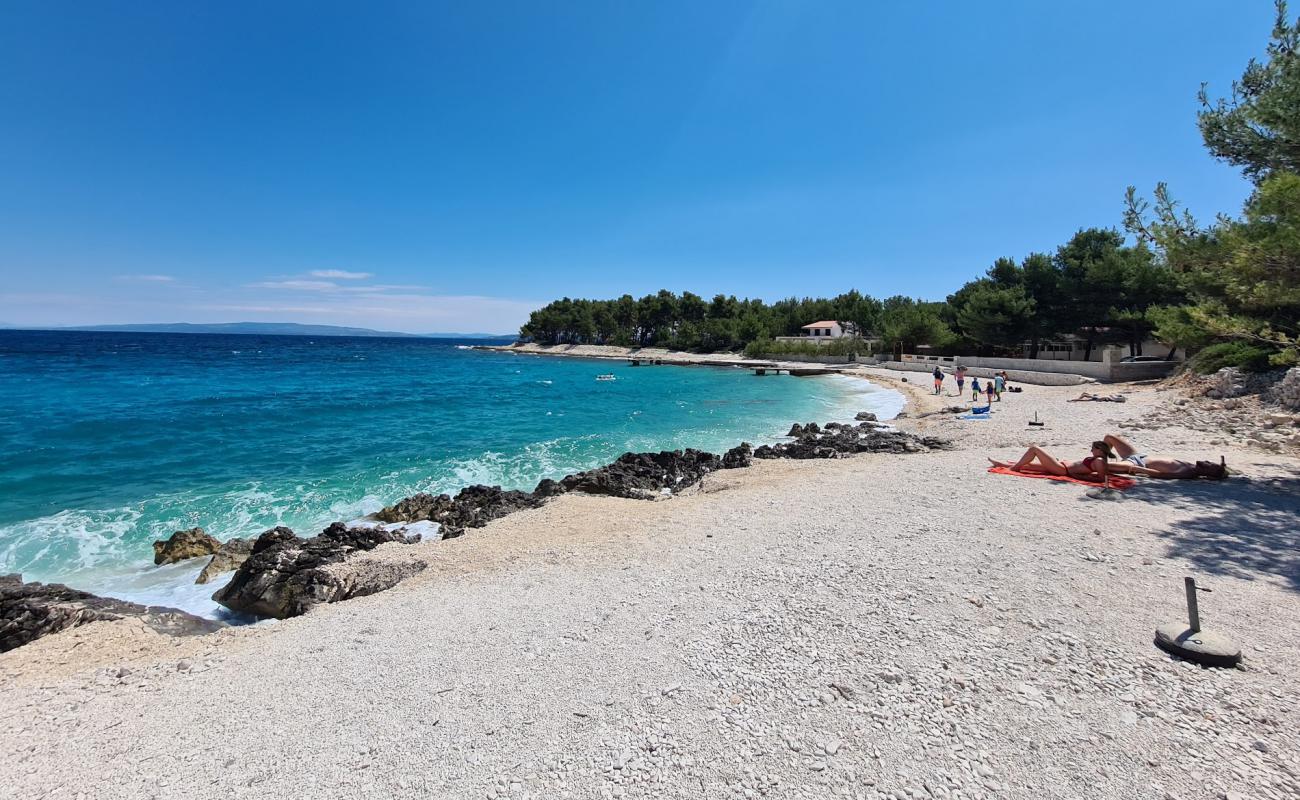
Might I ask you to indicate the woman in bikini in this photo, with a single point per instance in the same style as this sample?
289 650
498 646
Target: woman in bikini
1093 468
1114 456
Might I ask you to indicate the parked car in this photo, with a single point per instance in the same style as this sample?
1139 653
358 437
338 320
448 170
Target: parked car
1133 359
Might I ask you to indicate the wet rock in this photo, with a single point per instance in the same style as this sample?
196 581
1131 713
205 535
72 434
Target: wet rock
193 543
847 440
476 506
285 575
473 507
548 488
738 457
228 557
417 507
646 475
796 430
864 416
29 611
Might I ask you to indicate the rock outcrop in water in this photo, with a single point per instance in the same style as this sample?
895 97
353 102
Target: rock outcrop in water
838 440
472 507
645 475
739 457
285 575
29 611
193 543
228 557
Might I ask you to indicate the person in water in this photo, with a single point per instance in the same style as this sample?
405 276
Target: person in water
1096 467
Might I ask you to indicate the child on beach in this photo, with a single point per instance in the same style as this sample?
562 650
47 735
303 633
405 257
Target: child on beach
999 384
989 391
974 390
938 380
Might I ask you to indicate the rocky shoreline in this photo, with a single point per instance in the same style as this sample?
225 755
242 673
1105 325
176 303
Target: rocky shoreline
280 574
874 627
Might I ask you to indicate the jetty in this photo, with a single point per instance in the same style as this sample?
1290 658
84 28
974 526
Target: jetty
798 372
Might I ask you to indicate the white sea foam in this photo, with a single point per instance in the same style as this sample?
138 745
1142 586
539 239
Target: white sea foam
68 539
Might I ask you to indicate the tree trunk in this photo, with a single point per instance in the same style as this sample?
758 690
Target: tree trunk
1033 347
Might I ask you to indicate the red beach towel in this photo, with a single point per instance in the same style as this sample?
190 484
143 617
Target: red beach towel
1116 481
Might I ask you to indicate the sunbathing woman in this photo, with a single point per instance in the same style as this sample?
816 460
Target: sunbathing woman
1093 468
1131 462
1102 463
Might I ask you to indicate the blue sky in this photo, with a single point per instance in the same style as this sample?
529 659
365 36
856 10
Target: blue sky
425 166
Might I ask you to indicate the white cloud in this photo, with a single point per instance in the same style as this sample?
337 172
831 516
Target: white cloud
146 278
300 285
341 274
386 307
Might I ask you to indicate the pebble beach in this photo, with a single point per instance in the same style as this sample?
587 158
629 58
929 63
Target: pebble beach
880 626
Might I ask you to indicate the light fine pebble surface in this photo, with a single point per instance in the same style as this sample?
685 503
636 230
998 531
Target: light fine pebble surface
873 627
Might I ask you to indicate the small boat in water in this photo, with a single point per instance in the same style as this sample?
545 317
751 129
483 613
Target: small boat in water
608 376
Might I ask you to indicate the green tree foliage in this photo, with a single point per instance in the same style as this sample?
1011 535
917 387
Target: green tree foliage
906 323
1240 277
688 322
1257 127
1000 316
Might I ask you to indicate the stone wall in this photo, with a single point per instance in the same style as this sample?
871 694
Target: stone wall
1286 392
1107 371
820 359
1016 375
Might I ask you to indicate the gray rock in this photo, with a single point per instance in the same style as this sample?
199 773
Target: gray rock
738 457
193 543
228 557
29 611
286 575
646 475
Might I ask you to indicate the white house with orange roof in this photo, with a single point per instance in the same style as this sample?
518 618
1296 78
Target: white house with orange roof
823 332
825 329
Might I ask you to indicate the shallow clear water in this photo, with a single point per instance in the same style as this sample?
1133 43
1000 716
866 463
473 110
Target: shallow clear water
109 441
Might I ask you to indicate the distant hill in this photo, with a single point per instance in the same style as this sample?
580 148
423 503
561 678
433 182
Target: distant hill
503 337
264 329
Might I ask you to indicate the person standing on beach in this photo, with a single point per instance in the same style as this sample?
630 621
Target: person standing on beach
938 380
989 391
960 375
974 390
999 384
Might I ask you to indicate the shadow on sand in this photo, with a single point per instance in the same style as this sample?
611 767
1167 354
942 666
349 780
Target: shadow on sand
1242 528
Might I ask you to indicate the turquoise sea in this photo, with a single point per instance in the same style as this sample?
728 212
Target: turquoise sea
109 441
